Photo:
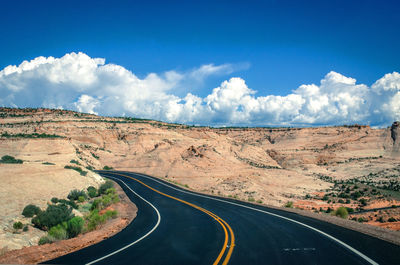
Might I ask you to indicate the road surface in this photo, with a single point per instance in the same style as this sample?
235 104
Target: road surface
176 226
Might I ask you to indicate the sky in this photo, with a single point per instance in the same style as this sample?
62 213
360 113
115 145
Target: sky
219 63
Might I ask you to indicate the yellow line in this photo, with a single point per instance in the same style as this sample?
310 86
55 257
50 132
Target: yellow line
216 217
232 246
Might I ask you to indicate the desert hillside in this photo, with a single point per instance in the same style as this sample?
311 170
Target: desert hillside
307 166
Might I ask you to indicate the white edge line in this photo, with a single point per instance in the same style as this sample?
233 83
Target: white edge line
146 235
273 214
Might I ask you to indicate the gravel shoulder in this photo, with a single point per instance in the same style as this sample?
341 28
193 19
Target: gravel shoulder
378 232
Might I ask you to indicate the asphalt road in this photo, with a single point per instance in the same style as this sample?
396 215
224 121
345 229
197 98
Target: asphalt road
174 226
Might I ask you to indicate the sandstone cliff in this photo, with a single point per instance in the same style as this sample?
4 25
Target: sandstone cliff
267 164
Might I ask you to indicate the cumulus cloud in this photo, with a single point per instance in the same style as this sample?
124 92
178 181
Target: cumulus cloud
77 81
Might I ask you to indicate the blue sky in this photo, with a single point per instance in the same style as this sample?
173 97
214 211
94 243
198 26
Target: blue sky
275 46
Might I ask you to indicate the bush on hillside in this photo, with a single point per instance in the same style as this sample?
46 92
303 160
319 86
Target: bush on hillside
362 220
45 240
73 161
10 160
75 226
54 215
59 231
105 186
94 219
30 210
110 214
104 201
18 225
92 191
82 172
75 194
68 202
289 205
342 212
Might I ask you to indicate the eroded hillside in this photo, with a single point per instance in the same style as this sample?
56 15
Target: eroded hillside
265 165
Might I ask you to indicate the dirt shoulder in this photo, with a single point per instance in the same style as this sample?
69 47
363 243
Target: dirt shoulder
378 232
36 254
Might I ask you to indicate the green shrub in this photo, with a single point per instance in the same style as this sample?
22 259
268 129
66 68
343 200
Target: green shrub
362 220
392 219
75 226
81 199
107 168
342 212
111 191
105 200
350 210
73 161
48 163
111 214
18 225
45 240
251 199
54 200
114 197
96 204
289 205
92 191
59 232
10 160
94 219
363 202
82 172
54 215
26 228
85 207
30 210
105 186
356 195
75 194
68 202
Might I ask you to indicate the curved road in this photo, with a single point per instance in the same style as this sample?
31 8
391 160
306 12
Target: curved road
176 226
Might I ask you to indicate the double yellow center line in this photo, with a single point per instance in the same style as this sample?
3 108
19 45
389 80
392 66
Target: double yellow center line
225 226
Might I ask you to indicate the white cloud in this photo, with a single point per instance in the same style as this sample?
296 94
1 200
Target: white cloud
76 81
210 69
87 104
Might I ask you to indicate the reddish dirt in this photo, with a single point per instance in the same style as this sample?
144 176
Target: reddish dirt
36 254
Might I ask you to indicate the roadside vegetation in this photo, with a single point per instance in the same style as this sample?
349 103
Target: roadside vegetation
79 169
59 220
350 198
